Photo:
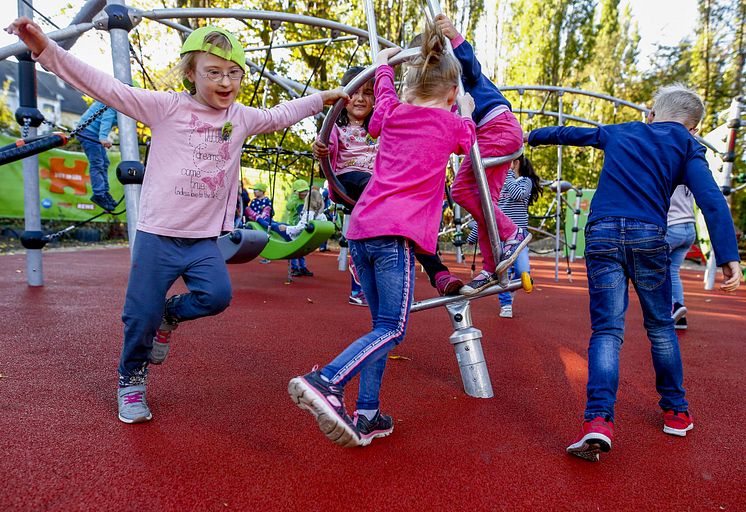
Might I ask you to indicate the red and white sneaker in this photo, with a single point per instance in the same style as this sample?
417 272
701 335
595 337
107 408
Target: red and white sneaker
677 423
595 437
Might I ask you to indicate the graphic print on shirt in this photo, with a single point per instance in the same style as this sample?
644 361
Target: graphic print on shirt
357 149
210 152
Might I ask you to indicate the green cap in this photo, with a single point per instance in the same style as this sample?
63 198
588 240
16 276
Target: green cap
196 43
259 186
300 186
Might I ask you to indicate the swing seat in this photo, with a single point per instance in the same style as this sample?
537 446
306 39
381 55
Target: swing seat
315 234
242 245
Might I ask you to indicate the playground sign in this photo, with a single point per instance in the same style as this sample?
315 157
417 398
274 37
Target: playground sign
64 185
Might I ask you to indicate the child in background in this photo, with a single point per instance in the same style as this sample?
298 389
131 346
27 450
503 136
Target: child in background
498 134
625 240
517 194
293 210
680 236
185 201
313 209
95 141
260 209
352 153
416 141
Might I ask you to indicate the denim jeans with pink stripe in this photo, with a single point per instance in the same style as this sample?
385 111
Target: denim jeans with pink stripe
385 267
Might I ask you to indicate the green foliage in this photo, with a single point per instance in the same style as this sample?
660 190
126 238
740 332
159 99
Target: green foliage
8 123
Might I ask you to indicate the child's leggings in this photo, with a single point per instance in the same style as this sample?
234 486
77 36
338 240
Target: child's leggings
498 137
157 262
386 269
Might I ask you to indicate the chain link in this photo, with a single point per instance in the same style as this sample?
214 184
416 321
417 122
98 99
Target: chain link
82 126
26 127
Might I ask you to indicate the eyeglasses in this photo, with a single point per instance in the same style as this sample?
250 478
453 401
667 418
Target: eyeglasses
217 76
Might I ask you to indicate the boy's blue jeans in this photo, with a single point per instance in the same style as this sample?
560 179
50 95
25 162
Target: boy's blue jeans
385 267
521 265
680 238
157 262
619 250
98 163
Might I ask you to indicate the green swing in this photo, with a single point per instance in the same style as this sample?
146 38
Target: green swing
315 234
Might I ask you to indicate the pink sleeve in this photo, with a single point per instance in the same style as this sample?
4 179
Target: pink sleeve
282 115
467 134
456 41
145 106
386 99
334 147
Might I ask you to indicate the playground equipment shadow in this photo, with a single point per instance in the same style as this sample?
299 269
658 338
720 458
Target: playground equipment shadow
225 435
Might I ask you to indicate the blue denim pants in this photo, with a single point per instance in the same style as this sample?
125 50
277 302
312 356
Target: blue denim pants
617 251
98 162
680 238
385 267
521 265
157 262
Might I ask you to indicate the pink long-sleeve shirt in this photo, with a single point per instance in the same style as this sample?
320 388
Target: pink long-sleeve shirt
189 190
405 195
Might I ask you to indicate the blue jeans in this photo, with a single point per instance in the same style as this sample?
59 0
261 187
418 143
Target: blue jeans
385 267
157 262
275 226
98 162
521 265
680 238
619 250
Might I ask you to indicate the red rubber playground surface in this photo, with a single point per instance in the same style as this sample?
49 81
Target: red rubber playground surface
226 436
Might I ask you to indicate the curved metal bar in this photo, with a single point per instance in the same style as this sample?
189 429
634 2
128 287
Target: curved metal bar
553 88
58 35
196 12
422 305
300 43
499 160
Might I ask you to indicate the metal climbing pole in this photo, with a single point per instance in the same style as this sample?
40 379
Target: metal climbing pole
30 118
119 20
729 157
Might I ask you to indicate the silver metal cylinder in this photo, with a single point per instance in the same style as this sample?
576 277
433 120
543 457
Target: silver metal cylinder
467 343
120 56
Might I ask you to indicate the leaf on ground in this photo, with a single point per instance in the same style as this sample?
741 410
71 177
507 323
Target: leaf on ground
403 358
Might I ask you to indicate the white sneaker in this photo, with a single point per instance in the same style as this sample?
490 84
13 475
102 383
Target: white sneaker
506 311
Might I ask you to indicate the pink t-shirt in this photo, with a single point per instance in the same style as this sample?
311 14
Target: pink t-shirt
352 149
190 184
405 194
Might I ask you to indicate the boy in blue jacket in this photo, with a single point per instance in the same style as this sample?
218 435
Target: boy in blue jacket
95 141
625 241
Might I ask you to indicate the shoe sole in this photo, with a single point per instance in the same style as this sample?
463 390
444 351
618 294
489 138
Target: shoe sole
367 439
679 313
470 290
681 327
681 432
331 425
506 315
590 447
141 419
506 264
158 355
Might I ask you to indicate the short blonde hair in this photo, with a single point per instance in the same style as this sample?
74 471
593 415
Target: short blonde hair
679 103
314 201
186 63
433 72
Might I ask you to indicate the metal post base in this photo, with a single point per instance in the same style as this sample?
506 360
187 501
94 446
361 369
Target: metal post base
467 342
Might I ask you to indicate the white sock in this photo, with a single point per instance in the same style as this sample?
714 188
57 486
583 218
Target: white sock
368 413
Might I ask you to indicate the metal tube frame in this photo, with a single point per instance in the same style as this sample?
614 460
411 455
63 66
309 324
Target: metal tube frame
128 145
30 165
